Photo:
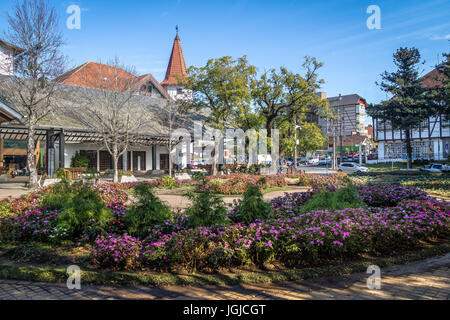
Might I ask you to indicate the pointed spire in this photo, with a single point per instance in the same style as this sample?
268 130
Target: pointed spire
177 65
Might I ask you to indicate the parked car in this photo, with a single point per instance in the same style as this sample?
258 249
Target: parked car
324 161
350 167
313 161
303 161
436 167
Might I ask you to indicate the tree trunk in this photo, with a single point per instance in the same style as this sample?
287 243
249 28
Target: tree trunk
115 164
116 171
31 164
170 161
408 148
214 165
269 126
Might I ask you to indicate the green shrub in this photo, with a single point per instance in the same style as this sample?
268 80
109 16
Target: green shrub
196 175
207 208
5 210
252 207
61 173
341 199
169 182
147 213
83 212
91 171
109 172
125 173
79 161
253 169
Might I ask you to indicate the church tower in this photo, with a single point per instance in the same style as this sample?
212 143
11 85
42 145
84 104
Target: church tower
176 71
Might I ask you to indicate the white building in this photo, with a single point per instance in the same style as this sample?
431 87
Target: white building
7 54
59 138
176 72
430 140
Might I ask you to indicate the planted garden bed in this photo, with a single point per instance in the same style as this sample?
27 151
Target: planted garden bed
100 229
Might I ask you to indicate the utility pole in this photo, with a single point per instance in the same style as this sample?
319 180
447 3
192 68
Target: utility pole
340 129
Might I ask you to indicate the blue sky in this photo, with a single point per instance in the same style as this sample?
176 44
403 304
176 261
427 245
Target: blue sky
270 33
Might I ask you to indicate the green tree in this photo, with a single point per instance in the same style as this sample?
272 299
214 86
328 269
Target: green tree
310 138
283 98
221 87
408 107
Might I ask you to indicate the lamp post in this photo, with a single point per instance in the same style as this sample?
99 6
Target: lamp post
340 129
295 147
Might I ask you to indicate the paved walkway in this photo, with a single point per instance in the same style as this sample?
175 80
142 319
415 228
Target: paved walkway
424 280
12 189
178 201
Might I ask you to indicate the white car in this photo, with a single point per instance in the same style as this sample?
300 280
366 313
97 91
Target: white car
324 161
350 167
436 167
313 161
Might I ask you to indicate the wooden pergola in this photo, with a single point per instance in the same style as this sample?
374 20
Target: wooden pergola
64 135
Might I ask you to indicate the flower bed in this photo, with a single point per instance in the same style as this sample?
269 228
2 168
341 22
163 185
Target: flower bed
305 239
389 194
394 218
238 183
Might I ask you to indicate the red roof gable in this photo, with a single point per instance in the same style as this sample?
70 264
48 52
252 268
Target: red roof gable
177 66
98 76
433 79
95 75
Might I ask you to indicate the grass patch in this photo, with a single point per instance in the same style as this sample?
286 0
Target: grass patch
58 274
386 167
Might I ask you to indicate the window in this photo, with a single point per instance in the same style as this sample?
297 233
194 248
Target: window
179 91
105 161
445 121
394 150
92 156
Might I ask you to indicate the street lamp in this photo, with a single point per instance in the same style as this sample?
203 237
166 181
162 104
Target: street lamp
297 127
340 129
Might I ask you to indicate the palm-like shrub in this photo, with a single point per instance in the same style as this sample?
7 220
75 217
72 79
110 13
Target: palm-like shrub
252 207
207 208
341 199
147 213
83 211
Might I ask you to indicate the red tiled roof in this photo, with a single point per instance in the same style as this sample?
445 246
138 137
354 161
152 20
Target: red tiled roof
177 66
95 75
98 76
433 79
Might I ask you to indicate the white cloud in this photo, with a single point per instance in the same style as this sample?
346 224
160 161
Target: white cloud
446 37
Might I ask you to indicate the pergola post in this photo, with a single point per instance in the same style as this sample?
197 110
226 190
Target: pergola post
188 154
50 152
153 157
62 147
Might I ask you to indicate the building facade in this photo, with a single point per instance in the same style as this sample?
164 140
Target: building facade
58 139
430 140
7 54
346 129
